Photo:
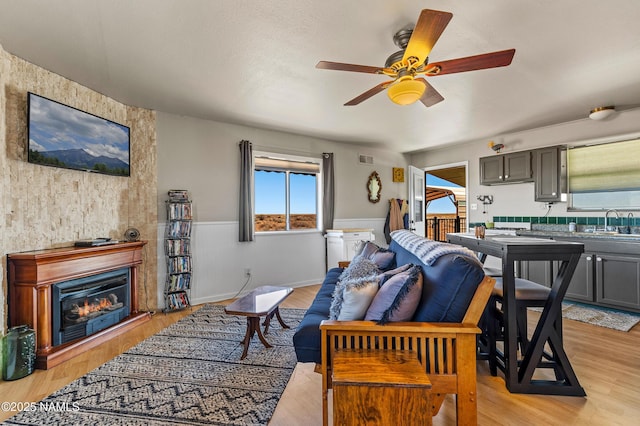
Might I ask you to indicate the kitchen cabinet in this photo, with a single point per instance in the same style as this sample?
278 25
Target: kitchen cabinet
506 168
608 273
617 280
547 174
541 272
582 283
342 244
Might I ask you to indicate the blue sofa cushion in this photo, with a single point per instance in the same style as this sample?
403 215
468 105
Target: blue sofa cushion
307 338
448 287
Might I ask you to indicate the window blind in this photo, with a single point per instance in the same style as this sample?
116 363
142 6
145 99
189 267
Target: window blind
605 167
278 165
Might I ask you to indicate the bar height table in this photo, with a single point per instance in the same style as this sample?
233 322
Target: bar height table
511 248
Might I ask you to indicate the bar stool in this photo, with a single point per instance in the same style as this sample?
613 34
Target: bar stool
528 294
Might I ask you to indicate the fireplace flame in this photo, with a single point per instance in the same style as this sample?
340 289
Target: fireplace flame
96 306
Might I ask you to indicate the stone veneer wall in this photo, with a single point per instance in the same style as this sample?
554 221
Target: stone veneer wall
45 207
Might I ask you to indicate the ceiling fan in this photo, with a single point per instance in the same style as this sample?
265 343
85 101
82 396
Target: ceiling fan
405 65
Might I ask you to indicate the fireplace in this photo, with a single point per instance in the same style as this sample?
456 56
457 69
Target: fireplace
75 298
84 306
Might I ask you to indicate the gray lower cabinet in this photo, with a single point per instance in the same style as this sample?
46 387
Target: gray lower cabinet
602 276
617 280
581 287
541 272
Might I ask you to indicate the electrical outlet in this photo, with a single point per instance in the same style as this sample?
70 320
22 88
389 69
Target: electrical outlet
247 271
474 206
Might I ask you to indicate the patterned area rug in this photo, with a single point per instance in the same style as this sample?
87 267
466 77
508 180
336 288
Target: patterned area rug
603 317
188 374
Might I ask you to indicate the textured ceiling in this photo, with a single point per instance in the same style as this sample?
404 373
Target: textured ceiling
253 62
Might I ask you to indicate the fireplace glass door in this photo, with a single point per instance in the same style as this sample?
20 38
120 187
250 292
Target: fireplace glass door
87 305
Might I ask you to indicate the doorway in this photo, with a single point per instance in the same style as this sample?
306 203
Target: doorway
446 193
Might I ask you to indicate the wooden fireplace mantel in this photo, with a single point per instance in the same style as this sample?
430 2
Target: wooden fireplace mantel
32 275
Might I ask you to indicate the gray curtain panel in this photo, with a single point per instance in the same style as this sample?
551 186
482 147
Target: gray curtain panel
328 198
245 218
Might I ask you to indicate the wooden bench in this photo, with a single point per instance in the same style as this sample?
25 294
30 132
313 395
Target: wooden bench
447 352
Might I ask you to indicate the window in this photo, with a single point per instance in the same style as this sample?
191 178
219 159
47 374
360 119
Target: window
605 176
286 192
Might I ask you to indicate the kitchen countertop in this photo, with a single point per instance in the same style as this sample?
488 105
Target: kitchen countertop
580 235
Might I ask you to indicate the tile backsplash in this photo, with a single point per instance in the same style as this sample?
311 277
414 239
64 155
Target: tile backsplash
565 220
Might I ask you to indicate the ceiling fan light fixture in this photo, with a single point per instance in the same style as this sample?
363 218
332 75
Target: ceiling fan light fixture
406 91
601 113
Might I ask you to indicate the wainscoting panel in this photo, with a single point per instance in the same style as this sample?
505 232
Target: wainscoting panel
219 261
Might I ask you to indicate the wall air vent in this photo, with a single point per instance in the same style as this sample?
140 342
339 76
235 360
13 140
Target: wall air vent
365 159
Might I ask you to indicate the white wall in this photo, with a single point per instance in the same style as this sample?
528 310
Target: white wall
203 157
518 199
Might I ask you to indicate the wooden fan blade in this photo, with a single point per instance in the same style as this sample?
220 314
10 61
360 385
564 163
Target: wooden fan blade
426 33
472 63
369 93
430 96
339 66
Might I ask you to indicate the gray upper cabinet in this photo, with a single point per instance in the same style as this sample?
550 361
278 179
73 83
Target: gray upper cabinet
547 174
491 170
506 168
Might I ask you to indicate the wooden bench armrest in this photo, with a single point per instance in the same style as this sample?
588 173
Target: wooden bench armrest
397 328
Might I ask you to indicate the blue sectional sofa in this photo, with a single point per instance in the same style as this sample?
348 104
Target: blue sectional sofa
451 275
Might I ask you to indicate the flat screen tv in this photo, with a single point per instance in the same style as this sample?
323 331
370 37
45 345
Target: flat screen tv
62 136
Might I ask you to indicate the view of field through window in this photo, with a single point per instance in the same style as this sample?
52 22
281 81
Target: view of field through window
271 201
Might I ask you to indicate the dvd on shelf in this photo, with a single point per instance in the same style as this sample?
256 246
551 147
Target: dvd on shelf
177 301
179 282
179 195
179 211
178 247
179 229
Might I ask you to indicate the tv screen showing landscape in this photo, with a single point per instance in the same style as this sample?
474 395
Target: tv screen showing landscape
63 136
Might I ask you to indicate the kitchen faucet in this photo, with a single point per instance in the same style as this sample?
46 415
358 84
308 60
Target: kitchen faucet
606 216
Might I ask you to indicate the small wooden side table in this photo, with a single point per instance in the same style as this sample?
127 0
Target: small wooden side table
380 388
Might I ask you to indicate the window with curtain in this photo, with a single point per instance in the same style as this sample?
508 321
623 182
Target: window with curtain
287 192
605 176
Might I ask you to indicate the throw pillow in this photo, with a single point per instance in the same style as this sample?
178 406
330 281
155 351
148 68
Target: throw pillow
398 298
356 299
356 279
383 277
382 257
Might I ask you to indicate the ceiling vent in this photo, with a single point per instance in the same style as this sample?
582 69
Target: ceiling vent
365 159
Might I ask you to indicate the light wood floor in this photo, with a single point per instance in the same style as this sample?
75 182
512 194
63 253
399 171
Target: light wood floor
606 362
